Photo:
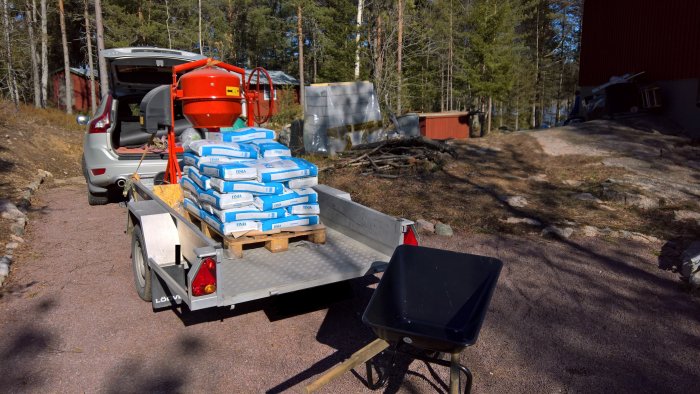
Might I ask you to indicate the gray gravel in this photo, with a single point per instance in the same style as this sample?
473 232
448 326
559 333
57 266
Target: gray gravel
582 315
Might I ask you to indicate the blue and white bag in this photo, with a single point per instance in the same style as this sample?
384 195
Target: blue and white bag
285 199
223 186
200 180
229 171
289 221
191 159
220 148
225 200
301 183
269 149
307 191
230 227
192 207
248 212
284 169
189 185
304 209
246 134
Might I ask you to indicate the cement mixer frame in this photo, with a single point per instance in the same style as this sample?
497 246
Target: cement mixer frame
252 98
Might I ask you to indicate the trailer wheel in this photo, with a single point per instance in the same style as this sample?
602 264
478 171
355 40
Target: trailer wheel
139 264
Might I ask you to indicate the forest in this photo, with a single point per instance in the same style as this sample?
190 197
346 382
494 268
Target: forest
515 60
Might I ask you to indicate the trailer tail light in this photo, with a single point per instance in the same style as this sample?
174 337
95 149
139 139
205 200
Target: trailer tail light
409 237
98 171
101 122
205 281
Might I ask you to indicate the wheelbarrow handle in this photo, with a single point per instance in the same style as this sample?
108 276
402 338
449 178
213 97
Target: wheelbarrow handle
359 357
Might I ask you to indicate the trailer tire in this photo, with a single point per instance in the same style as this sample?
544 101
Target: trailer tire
139 265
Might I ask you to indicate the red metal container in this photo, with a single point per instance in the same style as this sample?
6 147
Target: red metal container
211 97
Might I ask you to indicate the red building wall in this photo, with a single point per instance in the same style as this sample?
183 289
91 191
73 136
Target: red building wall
445 125
661 38
81 91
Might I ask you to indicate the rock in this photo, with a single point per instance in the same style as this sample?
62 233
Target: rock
682 215
443 229
45 174
690 260
640 201
587 197
16 238
11 246
561 232
590 231
515 201
425 226
572 182
10 211
629 199
538 178
34 185
644 238
5 262
17 228
528 221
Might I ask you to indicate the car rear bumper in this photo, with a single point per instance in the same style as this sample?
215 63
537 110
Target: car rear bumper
97 156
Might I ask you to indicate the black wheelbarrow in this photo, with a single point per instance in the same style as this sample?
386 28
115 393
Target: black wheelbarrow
428 301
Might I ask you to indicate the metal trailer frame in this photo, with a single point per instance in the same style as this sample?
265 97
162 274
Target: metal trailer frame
360 241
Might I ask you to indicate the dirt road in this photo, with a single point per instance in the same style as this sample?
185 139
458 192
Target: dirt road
587 317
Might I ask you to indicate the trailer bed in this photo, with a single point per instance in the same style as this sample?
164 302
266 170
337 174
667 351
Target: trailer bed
261 273
359 241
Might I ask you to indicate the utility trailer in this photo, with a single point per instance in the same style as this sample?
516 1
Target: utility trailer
172 259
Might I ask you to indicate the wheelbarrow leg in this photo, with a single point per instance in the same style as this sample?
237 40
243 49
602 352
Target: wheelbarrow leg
455 368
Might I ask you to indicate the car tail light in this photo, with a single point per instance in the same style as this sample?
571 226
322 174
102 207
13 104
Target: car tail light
409 237
100 124
98 171
205 281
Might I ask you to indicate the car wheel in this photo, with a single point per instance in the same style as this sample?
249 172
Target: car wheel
97 199
139 265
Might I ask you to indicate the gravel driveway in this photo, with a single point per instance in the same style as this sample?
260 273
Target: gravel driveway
587 316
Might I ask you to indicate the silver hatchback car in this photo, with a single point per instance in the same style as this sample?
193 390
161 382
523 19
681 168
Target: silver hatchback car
114 141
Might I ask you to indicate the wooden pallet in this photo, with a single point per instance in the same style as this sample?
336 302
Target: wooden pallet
274 241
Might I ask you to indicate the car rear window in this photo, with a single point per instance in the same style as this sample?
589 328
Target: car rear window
151 75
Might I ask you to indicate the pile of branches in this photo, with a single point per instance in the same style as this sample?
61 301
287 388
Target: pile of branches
387 159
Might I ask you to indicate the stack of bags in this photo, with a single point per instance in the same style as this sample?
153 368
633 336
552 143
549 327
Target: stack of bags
244 180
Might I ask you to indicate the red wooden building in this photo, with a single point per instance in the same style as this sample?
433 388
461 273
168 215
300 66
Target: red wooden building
80 81
659 38
283 83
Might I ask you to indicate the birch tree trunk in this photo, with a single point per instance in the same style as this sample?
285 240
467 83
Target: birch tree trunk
44 55
66 61
360 5
399 56
199 15
300 40
167 23
88 38
104 83
517 112
31 22
11 83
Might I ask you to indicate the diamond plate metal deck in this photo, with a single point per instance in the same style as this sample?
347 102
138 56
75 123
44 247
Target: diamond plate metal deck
261 273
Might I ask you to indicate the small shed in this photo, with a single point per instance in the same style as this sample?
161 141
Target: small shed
80 81
283 83
444 125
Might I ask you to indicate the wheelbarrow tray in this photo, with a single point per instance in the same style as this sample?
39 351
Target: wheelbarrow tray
432 299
